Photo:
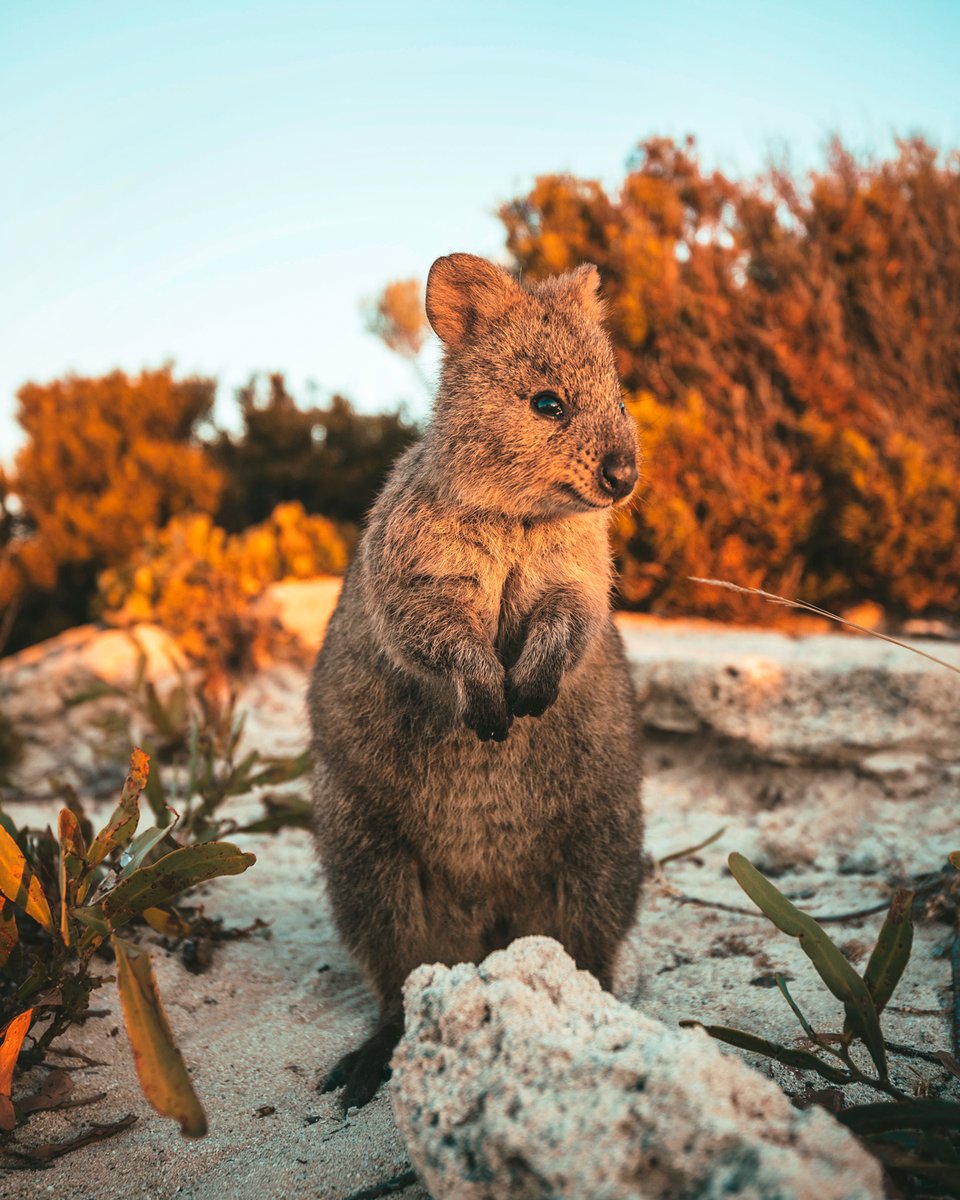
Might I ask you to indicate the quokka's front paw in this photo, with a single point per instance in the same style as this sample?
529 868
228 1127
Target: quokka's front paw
530 694
487 713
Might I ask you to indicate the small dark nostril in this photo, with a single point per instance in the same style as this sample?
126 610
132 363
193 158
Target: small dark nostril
617 475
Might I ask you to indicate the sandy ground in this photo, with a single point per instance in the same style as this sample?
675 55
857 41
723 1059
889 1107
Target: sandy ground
275 1011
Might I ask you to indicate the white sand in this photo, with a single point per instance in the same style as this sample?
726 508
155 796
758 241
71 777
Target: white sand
273 1013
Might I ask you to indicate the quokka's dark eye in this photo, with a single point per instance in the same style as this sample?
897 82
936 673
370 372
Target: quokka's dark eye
548 404
623 407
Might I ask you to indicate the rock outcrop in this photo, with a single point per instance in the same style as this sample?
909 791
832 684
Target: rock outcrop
70 700
821 699
521 1078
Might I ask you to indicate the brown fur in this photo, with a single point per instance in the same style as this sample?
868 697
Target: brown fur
447 820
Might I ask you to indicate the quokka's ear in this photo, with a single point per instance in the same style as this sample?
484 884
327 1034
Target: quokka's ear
585 284
465 292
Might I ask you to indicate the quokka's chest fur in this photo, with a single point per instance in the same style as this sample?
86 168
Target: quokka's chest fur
496 567
510 567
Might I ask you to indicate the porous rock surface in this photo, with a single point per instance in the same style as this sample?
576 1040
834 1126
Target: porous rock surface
824 699
520 1078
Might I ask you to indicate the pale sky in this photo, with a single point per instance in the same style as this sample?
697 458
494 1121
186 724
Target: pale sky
222 184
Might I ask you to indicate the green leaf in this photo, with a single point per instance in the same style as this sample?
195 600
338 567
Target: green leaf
785 992
96 691
167 719
90 918
803 1060
19 884
286 770
122 825
160 1066
892 951
159 883
240 779
139 848
835 971
193 773
883 1116
283 812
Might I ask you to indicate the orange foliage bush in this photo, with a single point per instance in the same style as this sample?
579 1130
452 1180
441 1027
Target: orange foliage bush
197 581
792 354
105 461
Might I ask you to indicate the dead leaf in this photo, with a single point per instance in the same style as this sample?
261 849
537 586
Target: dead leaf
832 1099
8 930
168 924
51 1094
69 1052
39 1156
949 1062
160 1067
72 867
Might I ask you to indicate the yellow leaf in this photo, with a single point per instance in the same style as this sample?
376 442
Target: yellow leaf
72 866
123 824
13 1037
160 1067
19 884
167 924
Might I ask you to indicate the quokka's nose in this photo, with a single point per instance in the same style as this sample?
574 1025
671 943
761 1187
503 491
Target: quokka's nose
617 474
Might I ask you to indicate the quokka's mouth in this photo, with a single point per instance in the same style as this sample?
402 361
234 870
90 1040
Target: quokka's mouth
569 490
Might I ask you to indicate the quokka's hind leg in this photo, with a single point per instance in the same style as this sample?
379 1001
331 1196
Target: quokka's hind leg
376 892
598 893
400 948
391 919
361 1071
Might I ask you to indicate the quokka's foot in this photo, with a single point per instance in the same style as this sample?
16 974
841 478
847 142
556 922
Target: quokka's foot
361 1072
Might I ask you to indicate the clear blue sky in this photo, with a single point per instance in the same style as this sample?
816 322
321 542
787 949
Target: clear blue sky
222 184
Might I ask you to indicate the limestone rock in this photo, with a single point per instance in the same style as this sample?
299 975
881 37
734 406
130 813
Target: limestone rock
42 687
822 699
301 608
521 1078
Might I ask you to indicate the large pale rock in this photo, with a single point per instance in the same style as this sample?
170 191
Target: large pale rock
44 693
521 1078
301 608
823 699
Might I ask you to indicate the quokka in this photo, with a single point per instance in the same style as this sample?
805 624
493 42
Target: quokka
476 744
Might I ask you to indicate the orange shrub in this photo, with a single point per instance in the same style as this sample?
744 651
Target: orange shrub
792 355
105 460
197 581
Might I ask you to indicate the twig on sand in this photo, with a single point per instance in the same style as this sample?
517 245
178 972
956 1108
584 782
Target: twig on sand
672 857
932 882
909 1052
681 898
41 1156
386 1187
